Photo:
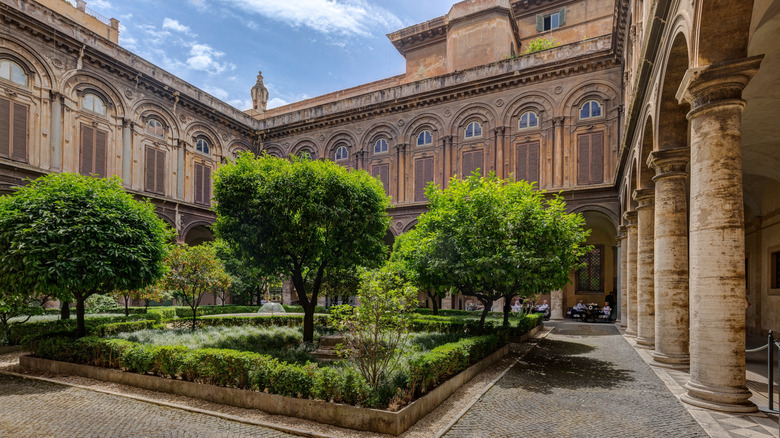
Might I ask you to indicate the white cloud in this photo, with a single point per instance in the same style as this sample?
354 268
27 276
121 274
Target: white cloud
275 103
174 25
204 58
100 5
351 17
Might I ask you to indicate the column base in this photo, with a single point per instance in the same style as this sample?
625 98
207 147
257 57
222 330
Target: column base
675 362
722 399
645 343
631 332
556 318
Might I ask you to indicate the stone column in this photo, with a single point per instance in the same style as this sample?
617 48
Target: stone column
127 151
645 294
499 149
556 305
717 236
180 170
446 302
558 152
671 260
623 240
55 132
629 218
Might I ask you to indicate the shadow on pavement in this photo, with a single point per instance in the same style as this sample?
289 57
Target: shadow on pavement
10 385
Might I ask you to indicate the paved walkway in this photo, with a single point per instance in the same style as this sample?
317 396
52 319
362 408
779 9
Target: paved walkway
582 380
33 408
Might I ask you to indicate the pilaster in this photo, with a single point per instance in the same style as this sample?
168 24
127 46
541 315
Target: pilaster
645 292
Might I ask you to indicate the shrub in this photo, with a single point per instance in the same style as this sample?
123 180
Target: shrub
540 44
108 330
160 314
99 303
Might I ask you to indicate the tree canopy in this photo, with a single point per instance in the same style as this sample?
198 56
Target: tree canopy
488 238
301 218
72 236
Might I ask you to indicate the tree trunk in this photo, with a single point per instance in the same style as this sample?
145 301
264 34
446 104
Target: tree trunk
435 301
194 317
485 311
65 310
127 309
308 322
507 309
81 329
146 306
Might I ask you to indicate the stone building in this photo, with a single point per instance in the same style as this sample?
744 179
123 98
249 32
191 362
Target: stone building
652 118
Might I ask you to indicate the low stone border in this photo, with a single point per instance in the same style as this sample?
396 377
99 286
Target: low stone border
10 349
373 420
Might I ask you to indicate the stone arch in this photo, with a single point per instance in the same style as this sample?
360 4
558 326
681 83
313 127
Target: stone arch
386 130
19 52
601 91
81 81
611 215
236 147
147 108
196 233
274 150
671 130
308 145
199 129
474 112
410 226
429 121
341 138
645 146
389 238
537 101
723 31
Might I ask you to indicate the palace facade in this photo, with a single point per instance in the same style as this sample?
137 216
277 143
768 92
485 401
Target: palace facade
652 118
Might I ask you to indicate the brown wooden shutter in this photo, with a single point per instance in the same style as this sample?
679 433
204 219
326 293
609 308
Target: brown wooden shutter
149 170
5 128
477 161
101 138
199 183
597 158
583 159
467 165
382 171
533 162
159 186
522 162
428 173
423 174
19 140
206 185
87 149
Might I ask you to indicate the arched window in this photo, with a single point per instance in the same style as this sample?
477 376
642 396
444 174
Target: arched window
13 72
202 145
306 154
424 138
528 120
155 128
380 146
342 153
92 102
474 129
590 109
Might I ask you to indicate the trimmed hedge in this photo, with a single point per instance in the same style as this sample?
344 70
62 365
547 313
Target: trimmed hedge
107 330
469 313
299 309
17 332
449 324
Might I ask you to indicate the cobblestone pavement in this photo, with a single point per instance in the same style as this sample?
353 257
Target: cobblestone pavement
582 380
32 408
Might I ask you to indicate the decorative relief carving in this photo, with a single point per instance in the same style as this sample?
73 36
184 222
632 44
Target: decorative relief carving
447 113
322 137
558 90
399 225
128 94
500 103
224 137
401 122
57 63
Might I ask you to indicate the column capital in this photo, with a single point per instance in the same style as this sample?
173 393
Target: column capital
715 85
669 162
499 130
558 120
400 147
629 218
621 234
645 198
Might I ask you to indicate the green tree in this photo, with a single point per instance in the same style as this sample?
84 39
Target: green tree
250 281
540 44
193 271
153 292
73 236
488 238
375 330
17 304
301 219
411 259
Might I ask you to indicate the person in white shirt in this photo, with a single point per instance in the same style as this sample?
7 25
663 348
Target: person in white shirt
606 310
579 309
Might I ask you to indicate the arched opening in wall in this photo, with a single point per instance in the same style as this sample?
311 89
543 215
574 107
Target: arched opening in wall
595 282
724 27
389 240
197 235
672 120
644 172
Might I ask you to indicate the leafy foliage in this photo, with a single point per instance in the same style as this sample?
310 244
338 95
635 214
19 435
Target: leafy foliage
302 219
540 44
99 303
152 292
72 236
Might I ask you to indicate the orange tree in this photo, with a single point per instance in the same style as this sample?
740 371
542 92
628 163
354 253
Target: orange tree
193 271
149 293
304 219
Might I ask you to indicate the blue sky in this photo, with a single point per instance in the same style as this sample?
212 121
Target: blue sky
305 48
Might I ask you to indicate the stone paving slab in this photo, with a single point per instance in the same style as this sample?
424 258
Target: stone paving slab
582 380
33 408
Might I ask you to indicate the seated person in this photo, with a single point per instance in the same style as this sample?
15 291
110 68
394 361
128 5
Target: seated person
517 306
543 308
579 309
606 310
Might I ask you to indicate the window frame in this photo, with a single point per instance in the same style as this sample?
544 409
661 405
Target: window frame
346 153
601 274
13 63
528 126
476 124
422 134
386 146
774 270
151 120
97 97
204 139
590 115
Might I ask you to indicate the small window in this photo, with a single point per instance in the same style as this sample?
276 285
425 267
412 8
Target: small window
380 146
155 128
13 72
342 153
474 129
775 271
424 138
545 22
91 102
551 21
590 109
528 120
306 154
202 146
589 277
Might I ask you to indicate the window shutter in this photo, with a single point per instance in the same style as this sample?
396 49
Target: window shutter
419 180
522 162
561 16
428 174
533 162
159 186
467 164
100 153
149 170
597 158
20 133
382 172
539 23
476 161
206 185
87 149
5 128
583 159
198 183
